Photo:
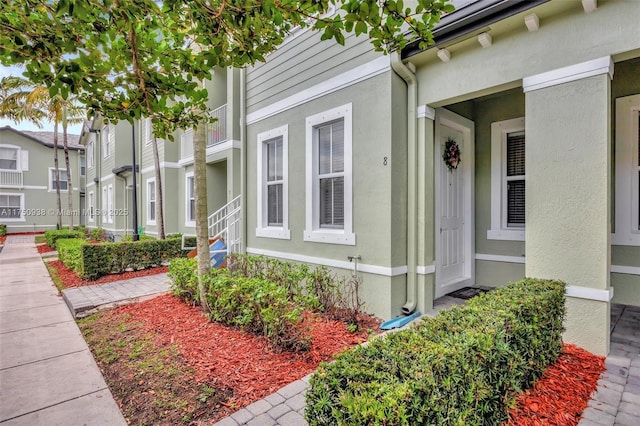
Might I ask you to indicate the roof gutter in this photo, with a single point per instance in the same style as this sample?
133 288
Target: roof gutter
412 175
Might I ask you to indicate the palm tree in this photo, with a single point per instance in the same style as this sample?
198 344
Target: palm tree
21 100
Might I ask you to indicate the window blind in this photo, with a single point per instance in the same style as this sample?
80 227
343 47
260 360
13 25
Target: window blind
515 169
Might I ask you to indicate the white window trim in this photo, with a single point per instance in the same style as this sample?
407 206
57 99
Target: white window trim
89 153
103 203
110 204
499 230
22 218
51 180
312 231
627 201
80 157
155 189
263 229
20 158
108 141
92 210
188 223
147 132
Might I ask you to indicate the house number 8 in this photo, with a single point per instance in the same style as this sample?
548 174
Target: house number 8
384 161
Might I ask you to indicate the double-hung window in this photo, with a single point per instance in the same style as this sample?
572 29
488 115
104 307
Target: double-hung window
190 201
9 158
104 204
108 139
11 207
627 167
151 201
508 200
91 207
89 152
328 161
273 194
64 180
110 204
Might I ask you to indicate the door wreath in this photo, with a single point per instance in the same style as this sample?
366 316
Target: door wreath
451 154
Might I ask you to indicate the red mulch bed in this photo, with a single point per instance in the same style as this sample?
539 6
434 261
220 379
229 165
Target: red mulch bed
232 359
71 279
44 248
562 393
2 239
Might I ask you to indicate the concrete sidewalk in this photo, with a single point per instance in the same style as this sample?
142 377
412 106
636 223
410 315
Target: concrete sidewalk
83 301
47 373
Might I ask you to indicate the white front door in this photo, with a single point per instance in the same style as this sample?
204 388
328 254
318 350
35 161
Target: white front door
455 247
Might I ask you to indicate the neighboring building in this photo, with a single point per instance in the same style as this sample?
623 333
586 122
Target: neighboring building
339 162
27 180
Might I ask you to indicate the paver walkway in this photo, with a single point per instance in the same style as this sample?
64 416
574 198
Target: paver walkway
47 373
85 300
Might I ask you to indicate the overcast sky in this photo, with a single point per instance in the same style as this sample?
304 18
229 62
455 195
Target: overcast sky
47 126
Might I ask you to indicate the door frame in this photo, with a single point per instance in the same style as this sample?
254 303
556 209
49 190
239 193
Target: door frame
467 167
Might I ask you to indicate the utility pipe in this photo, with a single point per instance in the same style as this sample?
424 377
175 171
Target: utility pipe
412 188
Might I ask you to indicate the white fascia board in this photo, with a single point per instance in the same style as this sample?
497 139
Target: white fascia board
224 146
575 72
500 258
351 77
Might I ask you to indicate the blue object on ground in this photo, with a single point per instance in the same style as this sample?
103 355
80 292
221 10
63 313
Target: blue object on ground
399 321
217 253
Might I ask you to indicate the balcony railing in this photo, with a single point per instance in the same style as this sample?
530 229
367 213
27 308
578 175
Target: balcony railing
10 178
217 132
186 145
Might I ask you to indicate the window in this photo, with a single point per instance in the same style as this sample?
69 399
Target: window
11 208
108 139
507 180
104 204
64 180
151 201
328 168
91 207
147 131
273 192
627 172
110 204
82 165
190 202
89 152
9 158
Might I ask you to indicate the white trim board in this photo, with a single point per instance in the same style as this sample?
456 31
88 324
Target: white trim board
426 270
500 258
425 111
342 264
351 77
575 72
163 165
232 143
621 269
600 295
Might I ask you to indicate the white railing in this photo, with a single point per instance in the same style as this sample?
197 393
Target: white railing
217 132
226 224
10 178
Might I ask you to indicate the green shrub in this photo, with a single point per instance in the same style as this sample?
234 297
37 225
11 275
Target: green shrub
52 236
128 238
463 367
98 234
183 273
3 229
70 252
111 258
256 305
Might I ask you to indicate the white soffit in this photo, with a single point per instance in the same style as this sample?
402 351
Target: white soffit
575 72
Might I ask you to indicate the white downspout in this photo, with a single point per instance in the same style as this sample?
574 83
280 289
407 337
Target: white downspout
243 161
412 173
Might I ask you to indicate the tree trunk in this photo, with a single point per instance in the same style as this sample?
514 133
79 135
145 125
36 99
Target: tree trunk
160 206
68 166
202 228
57 175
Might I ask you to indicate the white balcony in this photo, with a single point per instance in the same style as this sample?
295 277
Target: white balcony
11 178
217 132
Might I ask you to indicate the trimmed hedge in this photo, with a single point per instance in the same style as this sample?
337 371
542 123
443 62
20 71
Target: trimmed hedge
52 236
3 229
70 252
96 260
463 367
